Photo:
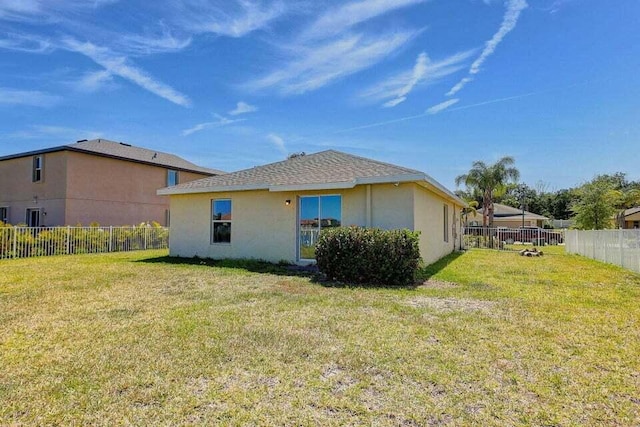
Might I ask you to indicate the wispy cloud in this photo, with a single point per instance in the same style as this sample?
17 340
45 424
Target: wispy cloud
236 20
93 81
118 65
328 51
509 22
26 43
58 133
278 142
337 20
557 5
243 108
442 106
419 71
32 98
149 44
425 72
219 122
322 64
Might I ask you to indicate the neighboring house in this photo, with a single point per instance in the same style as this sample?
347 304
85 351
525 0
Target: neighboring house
102 181
630 218
506 216
275 212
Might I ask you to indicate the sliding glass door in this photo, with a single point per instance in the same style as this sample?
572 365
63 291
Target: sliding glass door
315 214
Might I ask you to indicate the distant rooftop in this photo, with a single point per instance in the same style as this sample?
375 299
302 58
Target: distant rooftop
508 212
120 150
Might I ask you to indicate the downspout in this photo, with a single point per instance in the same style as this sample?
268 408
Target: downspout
368 207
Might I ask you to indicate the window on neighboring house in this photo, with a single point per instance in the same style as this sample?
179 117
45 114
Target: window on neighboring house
37 168
4 214
172 178
33 217
221 221
445 212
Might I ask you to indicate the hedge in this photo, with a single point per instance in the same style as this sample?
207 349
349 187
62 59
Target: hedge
369 256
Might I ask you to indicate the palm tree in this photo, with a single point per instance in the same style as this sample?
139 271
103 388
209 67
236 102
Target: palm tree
489 180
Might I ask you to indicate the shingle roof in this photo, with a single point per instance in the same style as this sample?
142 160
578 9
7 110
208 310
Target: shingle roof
119 150
507 212
632 211
323 170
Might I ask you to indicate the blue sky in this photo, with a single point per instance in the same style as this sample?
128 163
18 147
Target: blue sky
432 85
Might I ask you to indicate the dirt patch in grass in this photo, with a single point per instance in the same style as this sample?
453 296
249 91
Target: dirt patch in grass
438 284
451 304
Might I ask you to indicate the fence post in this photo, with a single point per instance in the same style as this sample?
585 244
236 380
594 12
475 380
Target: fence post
110 238
15 242
145 237
68 240
621 244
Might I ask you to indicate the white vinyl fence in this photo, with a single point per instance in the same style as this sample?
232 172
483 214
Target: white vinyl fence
620 247
22 242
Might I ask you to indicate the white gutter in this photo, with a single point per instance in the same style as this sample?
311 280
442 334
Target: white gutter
421 178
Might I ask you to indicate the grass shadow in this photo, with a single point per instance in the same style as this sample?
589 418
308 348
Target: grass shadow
251 265
425 273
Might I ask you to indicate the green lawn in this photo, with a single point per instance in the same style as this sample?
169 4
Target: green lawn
491 338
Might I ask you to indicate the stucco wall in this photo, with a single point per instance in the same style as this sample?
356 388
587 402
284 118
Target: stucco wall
18 192
429 220
116 192
264 227
392 206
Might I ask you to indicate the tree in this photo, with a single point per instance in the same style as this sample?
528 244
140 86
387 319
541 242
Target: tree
489 180
597 204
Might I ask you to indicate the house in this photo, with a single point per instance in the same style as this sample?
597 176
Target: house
506 216
276 211
630 218
102 181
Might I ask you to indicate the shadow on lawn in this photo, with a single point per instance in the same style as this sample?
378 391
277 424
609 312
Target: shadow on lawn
425 273
252 265
311 271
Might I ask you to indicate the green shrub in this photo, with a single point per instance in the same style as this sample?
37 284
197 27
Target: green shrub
369 255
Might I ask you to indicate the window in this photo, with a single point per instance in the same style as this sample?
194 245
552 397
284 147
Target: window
33 218
316 213
4 214
445 212
172 178
37 169
221 221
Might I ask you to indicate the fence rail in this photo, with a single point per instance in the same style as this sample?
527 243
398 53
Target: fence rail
510 238
619 247
23 242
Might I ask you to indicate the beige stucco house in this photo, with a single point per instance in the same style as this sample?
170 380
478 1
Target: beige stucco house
275 212
630 218
507 216
100 181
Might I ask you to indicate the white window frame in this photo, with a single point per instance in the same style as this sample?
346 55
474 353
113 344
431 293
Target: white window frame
177 174
216 221
37 171
319 196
